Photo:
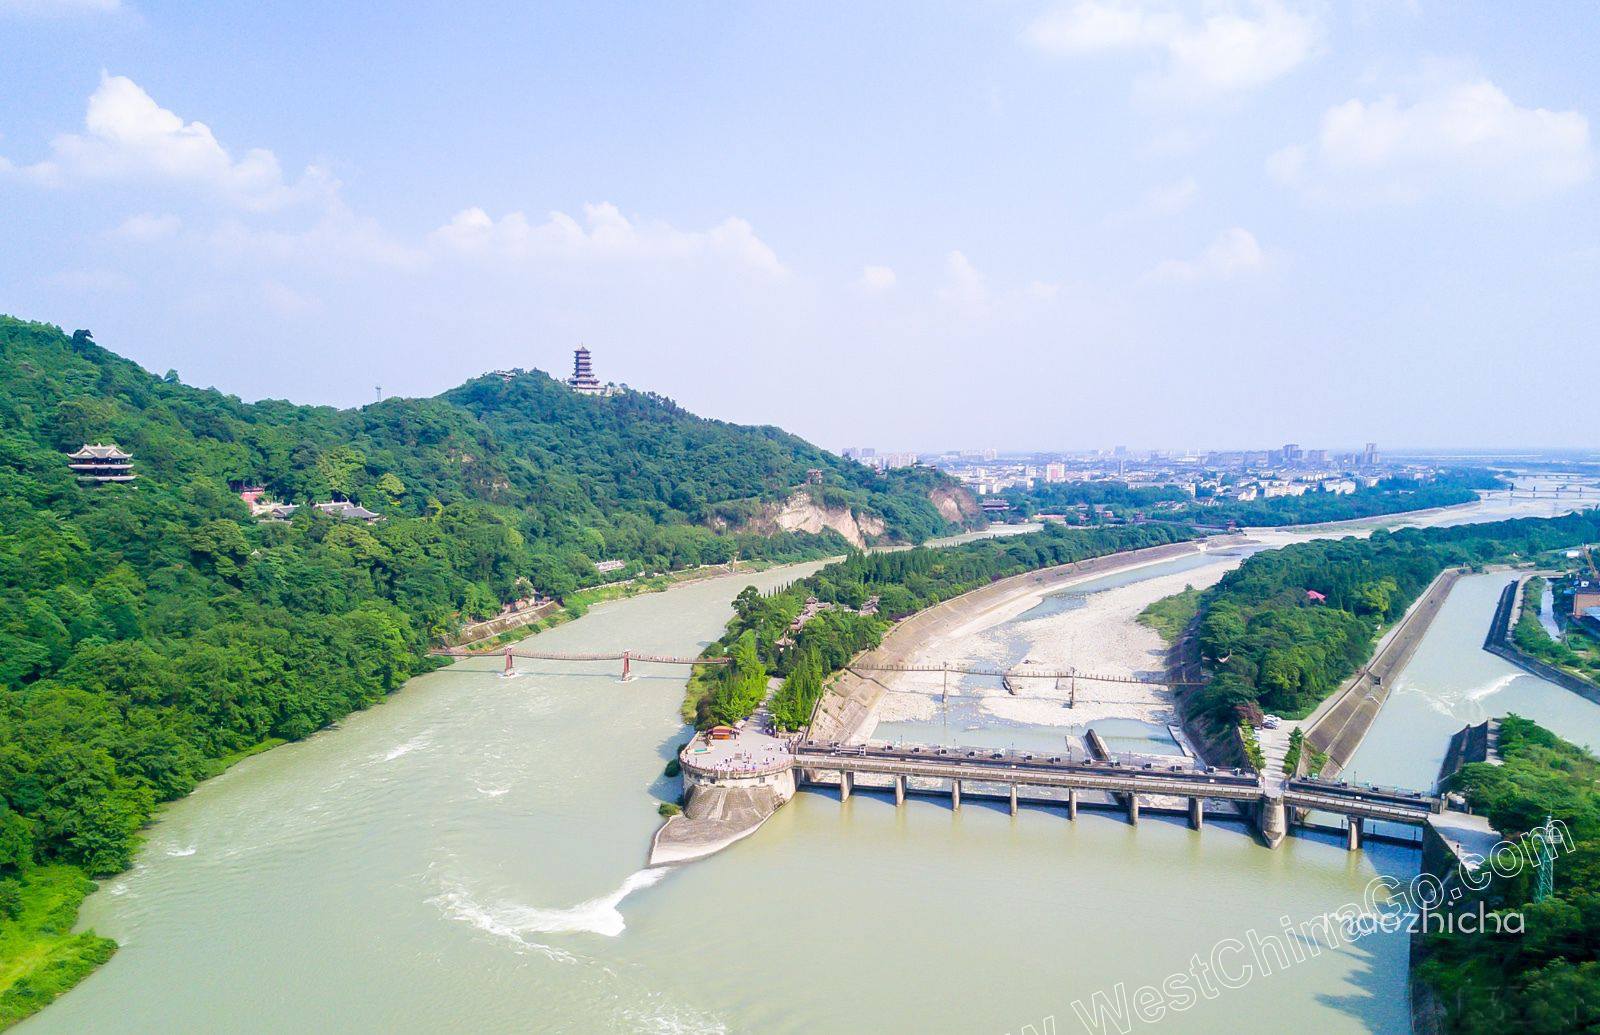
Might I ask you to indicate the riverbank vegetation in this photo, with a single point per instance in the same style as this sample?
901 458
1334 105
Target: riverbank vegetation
1578 653
153 633
810 629
1170 503
1288 626
1546 980
1169 616
40 955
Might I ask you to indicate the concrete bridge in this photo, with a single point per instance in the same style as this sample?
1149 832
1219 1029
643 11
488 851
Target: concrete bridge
1124 781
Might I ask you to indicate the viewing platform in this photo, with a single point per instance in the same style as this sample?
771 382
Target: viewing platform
733 781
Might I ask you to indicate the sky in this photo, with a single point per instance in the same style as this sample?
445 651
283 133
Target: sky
1016 225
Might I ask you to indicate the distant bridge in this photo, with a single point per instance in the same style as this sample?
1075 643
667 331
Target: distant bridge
1006 675
626 657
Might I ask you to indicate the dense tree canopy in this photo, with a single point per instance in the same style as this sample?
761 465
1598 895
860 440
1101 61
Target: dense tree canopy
1169 502
1268 640
150 631
1546 980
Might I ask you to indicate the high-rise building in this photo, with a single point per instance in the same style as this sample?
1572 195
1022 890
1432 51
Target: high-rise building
1055 472
583 379
1369 455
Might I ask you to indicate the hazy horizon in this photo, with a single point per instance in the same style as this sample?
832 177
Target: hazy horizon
1092 223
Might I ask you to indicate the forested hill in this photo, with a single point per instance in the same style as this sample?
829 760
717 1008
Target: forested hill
151 632
580 479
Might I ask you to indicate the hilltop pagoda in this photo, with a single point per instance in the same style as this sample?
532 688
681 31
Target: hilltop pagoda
98 464
583 380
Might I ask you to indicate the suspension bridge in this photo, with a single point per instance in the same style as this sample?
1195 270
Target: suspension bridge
1007 675
627 657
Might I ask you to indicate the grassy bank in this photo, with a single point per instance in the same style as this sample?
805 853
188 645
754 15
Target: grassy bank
576 605
1578 655
40 956
1169 615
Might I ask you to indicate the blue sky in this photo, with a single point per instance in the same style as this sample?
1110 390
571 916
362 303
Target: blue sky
921 225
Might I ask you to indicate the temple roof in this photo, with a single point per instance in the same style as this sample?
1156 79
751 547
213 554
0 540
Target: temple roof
100 452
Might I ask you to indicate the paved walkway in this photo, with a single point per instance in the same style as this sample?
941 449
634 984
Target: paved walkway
747 752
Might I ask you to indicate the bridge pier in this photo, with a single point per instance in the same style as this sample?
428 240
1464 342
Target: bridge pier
847 783
1197 813
1272 820
1133 809
899 790
1013 799
1352 833
1072 804
955 795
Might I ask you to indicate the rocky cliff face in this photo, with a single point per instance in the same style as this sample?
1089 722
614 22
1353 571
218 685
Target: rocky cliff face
800 513
957 505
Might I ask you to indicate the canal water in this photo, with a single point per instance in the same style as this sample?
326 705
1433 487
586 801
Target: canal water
1451 682
467 856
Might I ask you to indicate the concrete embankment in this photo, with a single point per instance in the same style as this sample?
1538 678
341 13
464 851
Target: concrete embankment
731 786
847 710
1339 726
1499 643
713 819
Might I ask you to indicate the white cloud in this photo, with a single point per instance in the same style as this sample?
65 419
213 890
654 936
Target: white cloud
877 278
1463 135
1239 46
604 234
1234 252
129 137
965 288
148 227
337 241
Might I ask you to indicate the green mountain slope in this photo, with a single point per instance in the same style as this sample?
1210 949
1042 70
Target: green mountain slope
150 634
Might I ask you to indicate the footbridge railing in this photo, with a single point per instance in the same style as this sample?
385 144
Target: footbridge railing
626 657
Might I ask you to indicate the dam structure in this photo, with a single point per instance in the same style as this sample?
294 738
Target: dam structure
1060 779
734 785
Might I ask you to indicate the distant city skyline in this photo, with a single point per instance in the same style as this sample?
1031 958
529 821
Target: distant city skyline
1029 224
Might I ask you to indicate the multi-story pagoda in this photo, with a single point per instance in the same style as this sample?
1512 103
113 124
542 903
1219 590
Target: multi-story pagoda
97 464
583 379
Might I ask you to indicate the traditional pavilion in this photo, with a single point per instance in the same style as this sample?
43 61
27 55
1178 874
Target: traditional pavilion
97 464
583 379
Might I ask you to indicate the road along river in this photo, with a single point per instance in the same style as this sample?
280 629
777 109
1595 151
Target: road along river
467 856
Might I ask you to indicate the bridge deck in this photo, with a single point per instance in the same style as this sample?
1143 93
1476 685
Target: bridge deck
981 766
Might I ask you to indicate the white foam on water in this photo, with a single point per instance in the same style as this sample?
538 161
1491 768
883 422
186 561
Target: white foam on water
421 740
1467 704
665 1019
492 792
457 904
181 852
514 921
